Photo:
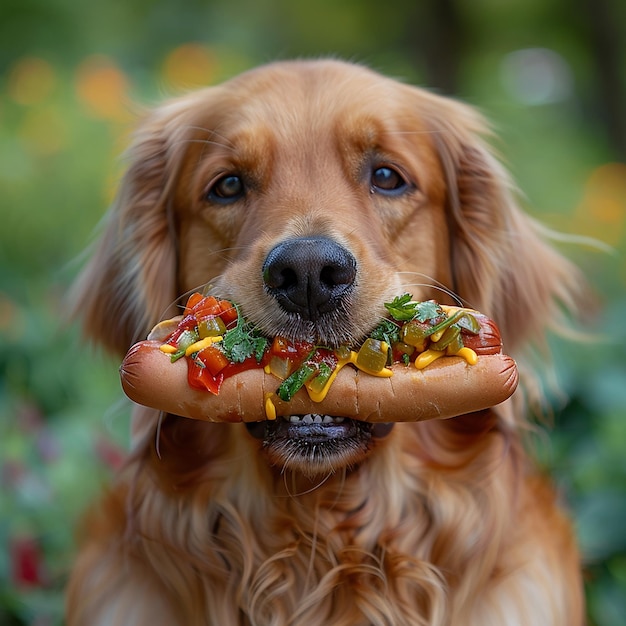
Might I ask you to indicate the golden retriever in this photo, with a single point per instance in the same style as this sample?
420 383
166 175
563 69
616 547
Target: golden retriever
444 522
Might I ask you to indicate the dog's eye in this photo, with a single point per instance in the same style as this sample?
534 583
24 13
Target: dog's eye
387 180
226 189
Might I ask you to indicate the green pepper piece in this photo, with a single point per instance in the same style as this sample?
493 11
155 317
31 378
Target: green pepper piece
342 352
295 381
318 383
469 323
402 351
453 319
414 334
211 326
372 355
187 338
455 345
449 336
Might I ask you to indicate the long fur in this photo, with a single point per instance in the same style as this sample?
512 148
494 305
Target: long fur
443 522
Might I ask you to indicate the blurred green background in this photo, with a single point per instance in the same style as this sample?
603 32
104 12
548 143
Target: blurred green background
549 73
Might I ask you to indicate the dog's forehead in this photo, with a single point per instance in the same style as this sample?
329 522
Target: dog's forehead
298 100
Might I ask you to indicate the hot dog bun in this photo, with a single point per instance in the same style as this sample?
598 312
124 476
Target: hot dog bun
446 388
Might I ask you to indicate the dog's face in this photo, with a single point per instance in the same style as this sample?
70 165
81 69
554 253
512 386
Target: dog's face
310 194
311 215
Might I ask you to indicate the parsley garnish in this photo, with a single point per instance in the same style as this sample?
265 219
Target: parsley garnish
428 310
387 331
243 341
402 308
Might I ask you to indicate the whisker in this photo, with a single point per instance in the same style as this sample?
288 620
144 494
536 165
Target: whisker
293 454
205 287
430 279
433 284
157 434
457 299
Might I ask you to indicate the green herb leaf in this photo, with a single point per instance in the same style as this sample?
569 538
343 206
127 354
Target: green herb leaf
259 343
387 331
402 308
428 310
243 341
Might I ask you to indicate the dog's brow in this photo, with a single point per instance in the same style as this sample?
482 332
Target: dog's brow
206 142
416 132
211 132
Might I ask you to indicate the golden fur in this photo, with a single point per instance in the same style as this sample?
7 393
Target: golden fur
439 523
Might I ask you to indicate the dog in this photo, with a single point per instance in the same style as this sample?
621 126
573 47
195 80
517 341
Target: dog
442 522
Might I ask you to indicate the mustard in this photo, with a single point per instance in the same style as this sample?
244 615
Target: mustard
270 407
318 396
200 345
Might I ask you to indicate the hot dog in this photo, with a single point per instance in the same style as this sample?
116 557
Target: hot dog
444 389
400 380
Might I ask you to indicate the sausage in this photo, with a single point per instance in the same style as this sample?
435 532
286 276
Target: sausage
488 340
446 388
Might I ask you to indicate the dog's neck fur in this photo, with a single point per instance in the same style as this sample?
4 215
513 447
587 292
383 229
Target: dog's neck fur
309 542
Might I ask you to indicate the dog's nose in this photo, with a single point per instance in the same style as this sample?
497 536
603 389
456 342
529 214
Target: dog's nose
309 275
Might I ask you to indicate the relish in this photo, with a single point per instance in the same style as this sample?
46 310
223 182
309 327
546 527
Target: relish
218 342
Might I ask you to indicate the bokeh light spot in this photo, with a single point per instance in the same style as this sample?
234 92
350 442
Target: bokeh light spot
103 88
536 76
31 80
602 211
188 66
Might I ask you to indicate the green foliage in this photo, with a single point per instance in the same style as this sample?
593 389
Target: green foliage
64 117
62 435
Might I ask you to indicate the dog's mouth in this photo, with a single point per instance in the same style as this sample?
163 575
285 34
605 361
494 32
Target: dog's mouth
314 443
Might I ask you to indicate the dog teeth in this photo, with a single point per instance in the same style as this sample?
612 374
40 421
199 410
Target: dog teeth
314 418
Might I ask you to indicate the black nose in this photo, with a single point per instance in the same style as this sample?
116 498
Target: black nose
309 275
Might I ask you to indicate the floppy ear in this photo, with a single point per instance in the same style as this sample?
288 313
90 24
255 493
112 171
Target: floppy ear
130 280
502 261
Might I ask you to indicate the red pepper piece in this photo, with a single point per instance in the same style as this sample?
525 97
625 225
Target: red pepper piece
283 348
194 298
293 350
199 377
228 313
213 359
206 307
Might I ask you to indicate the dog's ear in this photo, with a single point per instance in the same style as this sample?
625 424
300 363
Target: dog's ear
130 279
502 260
